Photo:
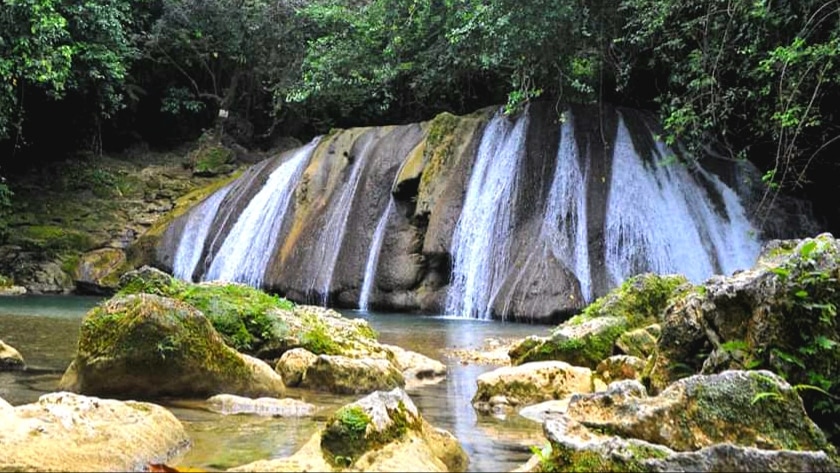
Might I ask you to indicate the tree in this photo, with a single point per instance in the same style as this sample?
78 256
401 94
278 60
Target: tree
224 54
61 47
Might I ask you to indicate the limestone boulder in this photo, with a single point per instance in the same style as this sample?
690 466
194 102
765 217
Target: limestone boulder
531 383
293 364
619 367
98 271
588 338
258 323
380 432
229 404
701 423
68 432
10 358
778 315
343 375
417 369
148 346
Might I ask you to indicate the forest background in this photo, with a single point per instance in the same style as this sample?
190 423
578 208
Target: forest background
739 79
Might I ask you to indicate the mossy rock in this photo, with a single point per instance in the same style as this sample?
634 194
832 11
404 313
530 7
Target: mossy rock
150 346
589 337
241 314
52 239
342 375
367 424
211 158
254 322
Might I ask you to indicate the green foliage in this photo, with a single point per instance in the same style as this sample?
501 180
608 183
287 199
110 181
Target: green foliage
5 209
344 438
61 47
739 75
241 314
808 355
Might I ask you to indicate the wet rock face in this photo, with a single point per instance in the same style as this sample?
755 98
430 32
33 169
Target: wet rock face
68 432
703 421
149 346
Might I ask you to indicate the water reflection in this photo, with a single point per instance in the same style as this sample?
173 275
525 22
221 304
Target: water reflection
45 330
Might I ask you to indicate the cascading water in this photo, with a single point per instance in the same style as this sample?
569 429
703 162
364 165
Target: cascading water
248 247
660 219
564 224
480 244
373 256
332 235
195 233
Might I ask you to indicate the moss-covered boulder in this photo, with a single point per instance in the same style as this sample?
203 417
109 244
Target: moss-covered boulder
588 338
67 432
149 346
380 432
258 323
10 358
703 421
98 271
641 342
531 383
343 375
779 315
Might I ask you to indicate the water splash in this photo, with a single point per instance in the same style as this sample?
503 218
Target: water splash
249 245
564 223
196 228
373 256
480 244
660 219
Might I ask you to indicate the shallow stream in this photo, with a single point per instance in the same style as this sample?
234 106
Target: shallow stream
45 330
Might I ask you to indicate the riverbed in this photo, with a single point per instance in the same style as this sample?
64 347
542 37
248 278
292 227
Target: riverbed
45 330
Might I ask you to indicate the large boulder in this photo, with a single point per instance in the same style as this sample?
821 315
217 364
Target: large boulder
588 338
779 315
530 383
701 423
67 432
149 346
10 358
258 323
381 432
97 271
343 375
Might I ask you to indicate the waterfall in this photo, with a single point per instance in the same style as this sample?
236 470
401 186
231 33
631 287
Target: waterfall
480 243
196 228
332 235
248 247
373 256
660 219
564 224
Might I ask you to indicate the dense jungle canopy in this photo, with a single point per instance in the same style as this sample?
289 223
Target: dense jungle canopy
744 79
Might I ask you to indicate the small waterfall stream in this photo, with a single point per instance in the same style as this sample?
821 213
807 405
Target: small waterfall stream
199 219
660 219
482 236
564 224
332 235
373 256
248 247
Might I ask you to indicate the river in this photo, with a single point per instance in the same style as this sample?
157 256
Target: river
45 330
